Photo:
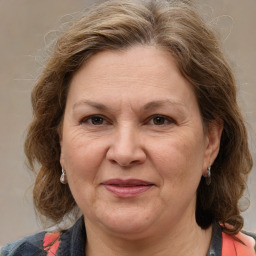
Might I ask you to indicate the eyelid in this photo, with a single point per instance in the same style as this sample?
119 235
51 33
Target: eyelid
86 118
169 119
107 121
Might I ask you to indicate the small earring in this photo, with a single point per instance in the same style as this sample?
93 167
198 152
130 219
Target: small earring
208 176
63 177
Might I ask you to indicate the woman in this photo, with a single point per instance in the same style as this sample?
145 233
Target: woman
136 123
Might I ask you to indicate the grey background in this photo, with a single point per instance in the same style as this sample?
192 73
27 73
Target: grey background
25 29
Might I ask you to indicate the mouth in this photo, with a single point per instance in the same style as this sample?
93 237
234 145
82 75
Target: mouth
127 188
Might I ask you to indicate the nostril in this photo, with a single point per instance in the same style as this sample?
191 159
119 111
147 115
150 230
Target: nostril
126 149
126 164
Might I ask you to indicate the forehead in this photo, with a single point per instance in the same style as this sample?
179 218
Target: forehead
138 73
134 61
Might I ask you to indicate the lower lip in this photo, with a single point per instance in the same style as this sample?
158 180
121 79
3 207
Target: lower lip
127 192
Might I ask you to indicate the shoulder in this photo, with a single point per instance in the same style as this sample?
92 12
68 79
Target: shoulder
243 243
252 237
30 245
65 242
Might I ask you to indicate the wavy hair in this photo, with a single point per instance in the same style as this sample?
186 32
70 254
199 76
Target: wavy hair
171 25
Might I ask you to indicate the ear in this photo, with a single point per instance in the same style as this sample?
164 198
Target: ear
213 137
61 149
62 159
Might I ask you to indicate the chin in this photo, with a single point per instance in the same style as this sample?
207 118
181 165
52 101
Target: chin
128 230
128 222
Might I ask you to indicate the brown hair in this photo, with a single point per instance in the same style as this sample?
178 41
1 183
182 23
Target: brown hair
175 27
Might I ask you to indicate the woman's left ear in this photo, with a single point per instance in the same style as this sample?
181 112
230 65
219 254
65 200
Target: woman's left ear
61 151
213 136
61 159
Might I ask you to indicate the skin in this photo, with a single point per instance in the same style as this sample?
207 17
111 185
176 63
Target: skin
147 126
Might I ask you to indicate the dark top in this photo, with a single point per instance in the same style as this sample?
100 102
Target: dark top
72 243
216 241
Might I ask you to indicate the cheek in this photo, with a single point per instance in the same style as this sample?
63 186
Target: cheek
179 160
180 171
82 158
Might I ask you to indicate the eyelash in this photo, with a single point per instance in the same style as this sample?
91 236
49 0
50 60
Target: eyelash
89 119
167 120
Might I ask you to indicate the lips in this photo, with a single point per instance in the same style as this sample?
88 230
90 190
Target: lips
127 188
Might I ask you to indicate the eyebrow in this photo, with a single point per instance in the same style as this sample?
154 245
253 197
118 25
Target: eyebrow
149 106
93 104
160 103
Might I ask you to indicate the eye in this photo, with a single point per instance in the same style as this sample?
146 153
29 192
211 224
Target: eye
160 120
94 120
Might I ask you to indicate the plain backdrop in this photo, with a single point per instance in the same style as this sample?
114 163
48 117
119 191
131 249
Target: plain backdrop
27 27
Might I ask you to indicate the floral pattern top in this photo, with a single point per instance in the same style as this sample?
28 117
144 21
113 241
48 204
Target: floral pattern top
71 242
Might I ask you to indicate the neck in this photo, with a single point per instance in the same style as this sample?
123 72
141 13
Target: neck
178 240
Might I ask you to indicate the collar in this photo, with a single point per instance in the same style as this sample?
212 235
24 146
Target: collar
72 241
216 241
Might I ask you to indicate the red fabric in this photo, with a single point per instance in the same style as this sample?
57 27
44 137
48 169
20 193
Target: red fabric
51 243
231 247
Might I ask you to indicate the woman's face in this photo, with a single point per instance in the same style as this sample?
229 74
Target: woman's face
133 144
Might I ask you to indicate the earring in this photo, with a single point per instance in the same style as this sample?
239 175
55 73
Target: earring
63 177
208 176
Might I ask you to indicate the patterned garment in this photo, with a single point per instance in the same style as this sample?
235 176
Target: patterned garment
72 243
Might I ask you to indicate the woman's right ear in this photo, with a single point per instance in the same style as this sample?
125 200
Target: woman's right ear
62 159
61 151
59 131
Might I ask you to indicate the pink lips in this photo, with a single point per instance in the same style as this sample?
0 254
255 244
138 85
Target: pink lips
127 188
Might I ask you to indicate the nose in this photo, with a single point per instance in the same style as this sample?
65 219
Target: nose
126 148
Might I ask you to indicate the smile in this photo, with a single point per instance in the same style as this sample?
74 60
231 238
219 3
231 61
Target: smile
127 188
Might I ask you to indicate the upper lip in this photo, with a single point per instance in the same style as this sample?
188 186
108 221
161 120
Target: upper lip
127 182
